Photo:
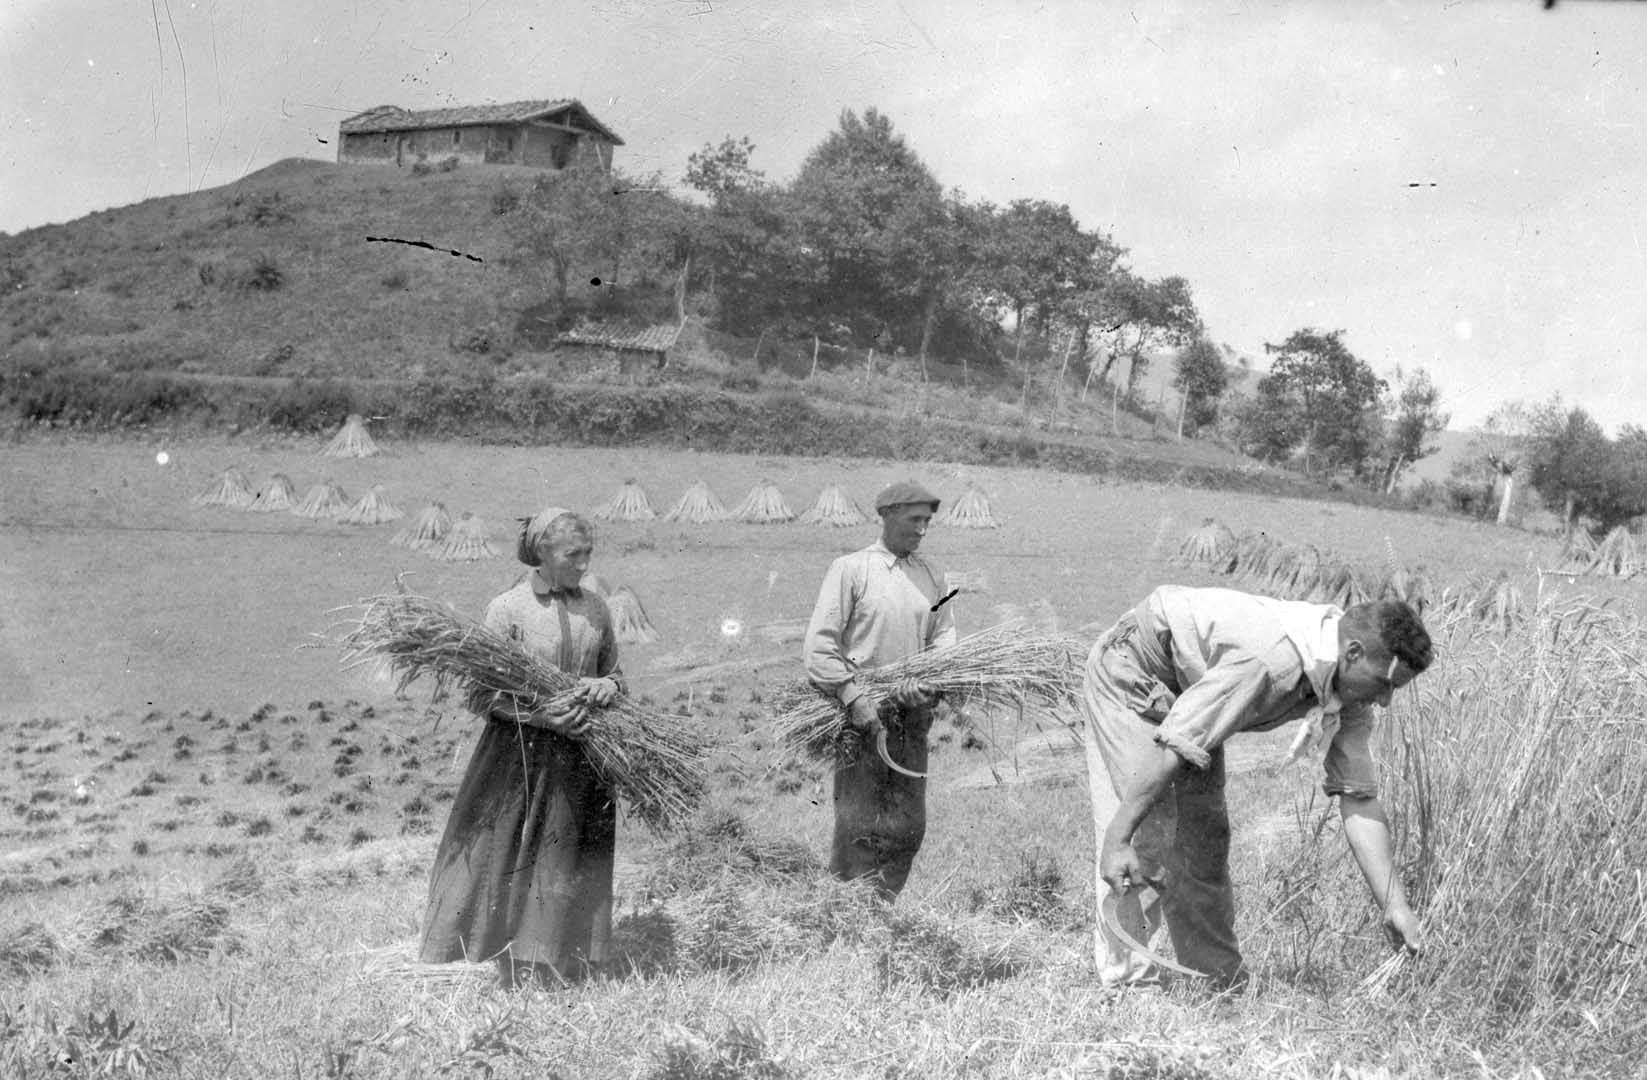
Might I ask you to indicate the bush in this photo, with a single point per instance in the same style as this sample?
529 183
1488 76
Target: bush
449 164
421 167
263 274
309 407
505 200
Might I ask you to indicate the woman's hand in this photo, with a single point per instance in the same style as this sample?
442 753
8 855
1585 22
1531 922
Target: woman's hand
570 719
598 692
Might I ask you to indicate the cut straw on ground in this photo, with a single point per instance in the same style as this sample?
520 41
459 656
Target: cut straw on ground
1006 665
655 765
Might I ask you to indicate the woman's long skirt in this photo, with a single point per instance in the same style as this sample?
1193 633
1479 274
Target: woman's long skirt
524 867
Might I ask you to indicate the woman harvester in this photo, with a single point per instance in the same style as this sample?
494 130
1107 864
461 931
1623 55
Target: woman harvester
523 875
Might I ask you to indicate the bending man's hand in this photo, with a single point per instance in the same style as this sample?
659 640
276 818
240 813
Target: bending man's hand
1119 866
1402 927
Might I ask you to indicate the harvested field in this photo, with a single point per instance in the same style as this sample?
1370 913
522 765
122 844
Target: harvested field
210 827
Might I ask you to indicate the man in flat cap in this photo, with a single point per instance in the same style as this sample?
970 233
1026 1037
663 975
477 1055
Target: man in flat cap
877 606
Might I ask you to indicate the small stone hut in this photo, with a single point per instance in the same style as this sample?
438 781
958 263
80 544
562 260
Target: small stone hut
547 134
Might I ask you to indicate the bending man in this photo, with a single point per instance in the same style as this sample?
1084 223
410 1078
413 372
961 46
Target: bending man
1165 686
877 606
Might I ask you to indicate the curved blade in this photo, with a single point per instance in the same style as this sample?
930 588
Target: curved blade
1112 922
880 748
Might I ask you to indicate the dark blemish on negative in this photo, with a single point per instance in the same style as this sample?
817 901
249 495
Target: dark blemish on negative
1418 183
425 245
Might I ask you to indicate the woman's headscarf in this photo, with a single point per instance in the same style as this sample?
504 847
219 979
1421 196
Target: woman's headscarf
534 530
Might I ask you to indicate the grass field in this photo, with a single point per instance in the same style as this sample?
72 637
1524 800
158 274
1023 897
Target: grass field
215 839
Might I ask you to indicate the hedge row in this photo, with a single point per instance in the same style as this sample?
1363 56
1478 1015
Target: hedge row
538 411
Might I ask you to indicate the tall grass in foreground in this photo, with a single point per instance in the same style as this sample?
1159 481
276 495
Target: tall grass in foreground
1516 780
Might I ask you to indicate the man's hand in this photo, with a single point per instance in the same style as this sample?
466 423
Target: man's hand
1119 865
913 694
1402 927
864 713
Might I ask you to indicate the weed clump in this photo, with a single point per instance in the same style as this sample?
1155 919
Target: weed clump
1034 892
29 950
737 1053
921 949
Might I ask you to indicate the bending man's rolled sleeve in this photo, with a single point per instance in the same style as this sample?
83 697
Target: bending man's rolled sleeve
1349 765
1213 709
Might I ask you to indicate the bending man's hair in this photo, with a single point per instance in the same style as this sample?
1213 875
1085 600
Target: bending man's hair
1396 627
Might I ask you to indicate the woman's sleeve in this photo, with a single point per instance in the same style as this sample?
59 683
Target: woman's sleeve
482 701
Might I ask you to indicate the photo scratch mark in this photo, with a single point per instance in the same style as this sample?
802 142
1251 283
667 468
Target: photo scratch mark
425 245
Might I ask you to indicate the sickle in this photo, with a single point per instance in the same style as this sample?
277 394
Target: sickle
880 748
1112 922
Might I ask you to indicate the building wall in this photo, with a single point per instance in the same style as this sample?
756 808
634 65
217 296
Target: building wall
482 144
377 146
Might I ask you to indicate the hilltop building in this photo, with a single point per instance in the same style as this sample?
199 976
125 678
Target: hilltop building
547 134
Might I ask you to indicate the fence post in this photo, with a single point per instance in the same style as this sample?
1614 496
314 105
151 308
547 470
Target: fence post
814 370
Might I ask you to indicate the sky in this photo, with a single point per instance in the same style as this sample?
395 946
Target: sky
1456 186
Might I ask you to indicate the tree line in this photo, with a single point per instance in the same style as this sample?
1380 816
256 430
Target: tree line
864 248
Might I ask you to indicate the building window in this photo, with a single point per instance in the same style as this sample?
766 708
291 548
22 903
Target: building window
509 143
457 137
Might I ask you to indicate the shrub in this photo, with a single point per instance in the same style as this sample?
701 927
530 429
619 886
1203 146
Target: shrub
738 1053
310 407
263 274
421 167
505 199
924 950
449 164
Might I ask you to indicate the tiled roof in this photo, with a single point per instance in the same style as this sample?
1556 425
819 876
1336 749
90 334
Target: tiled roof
394 118
652 339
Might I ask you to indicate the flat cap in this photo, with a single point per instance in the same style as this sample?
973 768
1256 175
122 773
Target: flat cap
904 492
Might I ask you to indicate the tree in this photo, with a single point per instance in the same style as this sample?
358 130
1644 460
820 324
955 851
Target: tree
1143 316
1202 379
1037 257
1572 462
1319 395
747 241
1502 442
571 225
1415 419
723 171
863 202
1569 460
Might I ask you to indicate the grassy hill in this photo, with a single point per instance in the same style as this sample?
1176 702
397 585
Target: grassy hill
380 278
273 275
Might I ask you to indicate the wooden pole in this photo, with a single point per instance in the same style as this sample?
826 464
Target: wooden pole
869 364
757 359
1183 407
814 370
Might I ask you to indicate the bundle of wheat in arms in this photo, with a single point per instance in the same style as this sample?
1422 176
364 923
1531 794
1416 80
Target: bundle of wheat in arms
1006 665
650 760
